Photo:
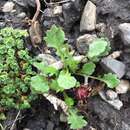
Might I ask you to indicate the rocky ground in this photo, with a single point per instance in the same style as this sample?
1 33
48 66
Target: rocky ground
82 21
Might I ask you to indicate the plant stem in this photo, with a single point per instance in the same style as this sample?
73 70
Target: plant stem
92 77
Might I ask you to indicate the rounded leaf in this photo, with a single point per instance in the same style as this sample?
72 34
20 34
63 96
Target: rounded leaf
39 84
66 81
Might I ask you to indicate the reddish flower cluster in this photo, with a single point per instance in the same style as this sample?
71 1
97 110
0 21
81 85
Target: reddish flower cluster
82 92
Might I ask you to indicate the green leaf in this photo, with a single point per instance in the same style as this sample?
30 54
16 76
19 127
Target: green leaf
97 47
69 101
88 68
55 86
76 121
45 69
39 84
111 80
54 37
2 116
66 81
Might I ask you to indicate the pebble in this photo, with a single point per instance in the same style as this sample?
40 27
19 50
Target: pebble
8 7
63 117
57 10
101 27
123 87
111 95
47 58
88 19
21 15
116 103
2 24
125 33
83 42
113 66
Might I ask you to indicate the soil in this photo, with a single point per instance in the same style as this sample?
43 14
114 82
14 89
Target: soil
100 114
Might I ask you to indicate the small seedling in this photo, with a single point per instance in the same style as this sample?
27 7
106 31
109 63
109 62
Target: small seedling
51 78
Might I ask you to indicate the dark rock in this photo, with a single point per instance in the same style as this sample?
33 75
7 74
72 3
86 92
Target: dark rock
50 125
71 13
112 12
125 33
112 7
114 66
64 18
36 124
106 117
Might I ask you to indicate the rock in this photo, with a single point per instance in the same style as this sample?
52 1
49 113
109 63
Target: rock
123 87
25 3
88 19
21 15
111 95
101 27
50 125
112 7
114 66
8 7
125 33
49 18
2 25
63 117
106 117
83 42
47 59
125 126
71 13
57 10
116 103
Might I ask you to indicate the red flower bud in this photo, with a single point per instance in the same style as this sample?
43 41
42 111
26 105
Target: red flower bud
82 92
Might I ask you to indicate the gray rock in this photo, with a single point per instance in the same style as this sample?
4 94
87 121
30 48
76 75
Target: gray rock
83 42
8 7
88 19
123 87
125 126
25 3
21 15
47 58
116 8
57 10
2 24
111 95
116 103
125 33
106 117
114 66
